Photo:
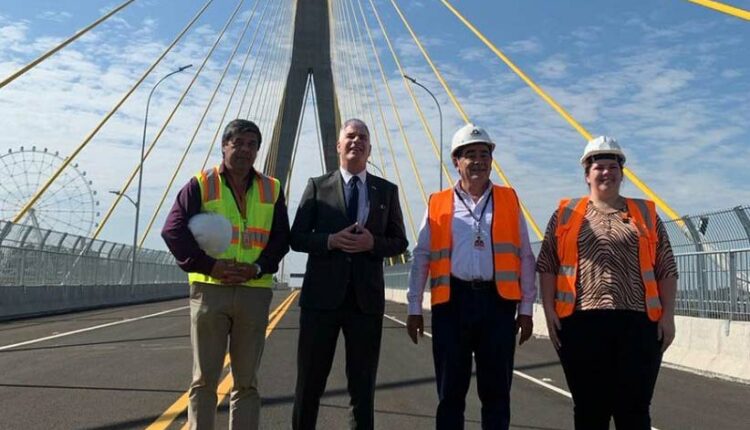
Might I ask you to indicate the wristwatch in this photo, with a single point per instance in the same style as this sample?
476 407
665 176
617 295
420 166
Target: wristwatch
258 271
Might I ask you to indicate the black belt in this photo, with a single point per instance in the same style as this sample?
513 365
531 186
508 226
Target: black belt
475 284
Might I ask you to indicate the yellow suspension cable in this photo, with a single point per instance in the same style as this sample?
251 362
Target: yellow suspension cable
270 84
398 121
255 59
200 122
308 88
96 129
166 122
65 43
343 82
352 96
316 120
376 137
462 112
337 80
725 8
273 148
220 123
628 173
415 102
360 80
409 151
259 88
265 149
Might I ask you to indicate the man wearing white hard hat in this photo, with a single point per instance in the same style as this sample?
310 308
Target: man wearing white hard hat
229 230
608 280
473 245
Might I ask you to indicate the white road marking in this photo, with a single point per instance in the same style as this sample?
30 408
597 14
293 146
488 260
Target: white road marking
83 330
528 377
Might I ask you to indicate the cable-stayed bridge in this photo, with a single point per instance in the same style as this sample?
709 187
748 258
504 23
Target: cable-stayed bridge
298 69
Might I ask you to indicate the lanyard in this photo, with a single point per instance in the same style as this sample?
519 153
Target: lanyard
475 218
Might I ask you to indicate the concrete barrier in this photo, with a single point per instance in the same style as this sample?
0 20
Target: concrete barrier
22 302
716 348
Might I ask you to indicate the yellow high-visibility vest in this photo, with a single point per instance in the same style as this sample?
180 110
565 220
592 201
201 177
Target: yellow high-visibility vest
249 236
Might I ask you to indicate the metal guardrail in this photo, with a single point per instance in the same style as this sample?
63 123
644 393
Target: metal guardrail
713 284
712 231
30 256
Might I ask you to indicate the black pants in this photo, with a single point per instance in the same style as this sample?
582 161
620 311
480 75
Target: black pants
319 332
611 360
474 321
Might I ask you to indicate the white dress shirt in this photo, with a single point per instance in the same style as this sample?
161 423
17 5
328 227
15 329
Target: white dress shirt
363 208
468 262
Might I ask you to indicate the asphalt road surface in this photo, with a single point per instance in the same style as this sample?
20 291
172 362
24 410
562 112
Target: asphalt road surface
129 367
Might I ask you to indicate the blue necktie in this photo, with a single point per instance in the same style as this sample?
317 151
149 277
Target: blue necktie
353 203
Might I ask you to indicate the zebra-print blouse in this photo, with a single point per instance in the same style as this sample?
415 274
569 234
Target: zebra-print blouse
609 276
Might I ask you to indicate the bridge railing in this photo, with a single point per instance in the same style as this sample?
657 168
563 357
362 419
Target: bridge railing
30 256
713 284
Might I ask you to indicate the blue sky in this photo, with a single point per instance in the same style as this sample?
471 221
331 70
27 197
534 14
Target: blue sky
669 79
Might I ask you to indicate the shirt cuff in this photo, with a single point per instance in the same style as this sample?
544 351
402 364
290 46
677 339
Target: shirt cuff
415 309
328 242
204 265
526 308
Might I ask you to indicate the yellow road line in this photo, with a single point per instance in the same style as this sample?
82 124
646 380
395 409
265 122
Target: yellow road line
725 8
179 406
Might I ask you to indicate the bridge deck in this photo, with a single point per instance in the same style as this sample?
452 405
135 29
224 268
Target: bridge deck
125 375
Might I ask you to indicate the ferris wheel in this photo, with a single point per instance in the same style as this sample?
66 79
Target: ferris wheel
69 205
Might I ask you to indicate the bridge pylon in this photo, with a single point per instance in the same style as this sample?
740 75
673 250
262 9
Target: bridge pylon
311 54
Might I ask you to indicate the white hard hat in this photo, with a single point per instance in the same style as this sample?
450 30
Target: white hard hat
212 231
602 145
470 134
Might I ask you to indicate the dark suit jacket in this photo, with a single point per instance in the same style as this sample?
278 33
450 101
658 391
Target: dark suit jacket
322 211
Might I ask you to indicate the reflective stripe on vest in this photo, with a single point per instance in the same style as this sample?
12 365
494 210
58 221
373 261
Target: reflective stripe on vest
506 244
249 236
570 216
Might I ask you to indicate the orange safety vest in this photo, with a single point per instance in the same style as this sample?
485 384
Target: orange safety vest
506 243
570 215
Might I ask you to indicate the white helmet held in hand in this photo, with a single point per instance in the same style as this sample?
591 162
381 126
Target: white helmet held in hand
213 232
470 134
602 145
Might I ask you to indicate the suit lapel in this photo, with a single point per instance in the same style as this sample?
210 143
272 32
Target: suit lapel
337 184
375 200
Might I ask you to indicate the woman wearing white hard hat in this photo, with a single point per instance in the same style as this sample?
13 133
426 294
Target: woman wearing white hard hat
608 280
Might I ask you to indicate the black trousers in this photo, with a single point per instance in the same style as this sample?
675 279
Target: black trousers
478 321
319 332
611 360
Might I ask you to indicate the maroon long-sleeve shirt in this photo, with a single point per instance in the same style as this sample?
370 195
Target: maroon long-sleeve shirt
191 258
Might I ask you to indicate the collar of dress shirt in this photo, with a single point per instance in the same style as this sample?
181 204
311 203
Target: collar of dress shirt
250 178
466 195
348 176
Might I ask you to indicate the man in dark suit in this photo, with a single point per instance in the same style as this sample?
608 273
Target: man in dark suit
348 221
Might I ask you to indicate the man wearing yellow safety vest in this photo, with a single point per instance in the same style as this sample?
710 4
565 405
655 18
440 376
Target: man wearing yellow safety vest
473 244
230 293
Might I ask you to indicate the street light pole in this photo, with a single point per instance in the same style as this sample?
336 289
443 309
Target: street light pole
440 112
137 202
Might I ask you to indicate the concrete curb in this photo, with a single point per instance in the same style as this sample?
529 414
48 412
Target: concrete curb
708 347
24 302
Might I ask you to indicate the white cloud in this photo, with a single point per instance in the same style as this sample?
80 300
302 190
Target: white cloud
526 46
554 67
55 16
731 73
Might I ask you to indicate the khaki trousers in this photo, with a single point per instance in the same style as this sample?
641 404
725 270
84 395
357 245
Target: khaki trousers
221 314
